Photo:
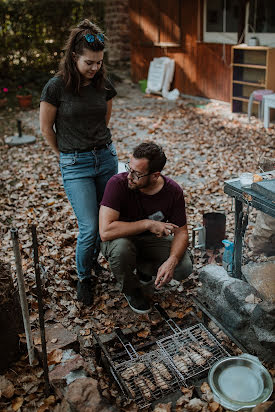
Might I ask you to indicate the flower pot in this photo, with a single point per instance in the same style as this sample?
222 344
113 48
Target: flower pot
3 102
24 101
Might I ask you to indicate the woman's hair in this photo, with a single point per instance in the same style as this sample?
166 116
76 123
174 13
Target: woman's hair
153 153
76 43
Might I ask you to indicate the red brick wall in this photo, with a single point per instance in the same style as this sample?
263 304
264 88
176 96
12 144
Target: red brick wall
118 30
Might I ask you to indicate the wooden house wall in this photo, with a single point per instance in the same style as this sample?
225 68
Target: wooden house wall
202 69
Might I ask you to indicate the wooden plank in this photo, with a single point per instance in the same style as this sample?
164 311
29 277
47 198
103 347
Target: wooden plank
169 21
149 20
249 83
251 66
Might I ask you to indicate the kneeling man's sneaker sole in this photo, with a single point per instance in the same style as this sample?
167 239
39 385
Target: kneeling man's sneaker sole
141 309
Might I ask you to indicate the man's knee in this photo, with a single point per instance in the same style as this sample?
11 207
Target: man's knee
184 268
120 248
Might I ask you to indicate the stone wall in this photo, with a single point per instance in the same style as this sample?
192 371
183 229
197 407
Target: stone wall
117 24
239 308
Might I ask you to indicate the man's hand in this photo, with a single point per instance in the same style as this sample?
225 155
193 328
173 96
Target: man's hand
161 228
166 272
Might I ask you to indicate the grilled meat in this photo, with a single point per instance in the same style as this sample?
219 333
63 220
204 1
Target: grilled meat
196 357
205 336
140 383
202 350
160 382
149 383
133 371
161 368
180 363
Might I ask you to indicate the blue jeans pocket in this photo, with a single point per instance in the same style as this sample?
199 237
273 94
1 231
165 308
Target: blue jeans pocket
112 149
67 160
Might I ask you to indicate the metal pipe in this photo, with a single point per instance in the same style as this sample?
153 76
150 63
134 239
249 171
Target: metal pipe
22 294
40 310
19 127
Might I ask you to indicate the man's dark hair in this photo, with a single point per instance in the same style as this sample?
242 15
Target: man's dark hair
153 153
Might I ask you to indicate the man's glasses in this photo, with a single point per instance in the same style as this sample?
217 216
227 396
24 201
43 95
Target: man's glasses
134 174
90 38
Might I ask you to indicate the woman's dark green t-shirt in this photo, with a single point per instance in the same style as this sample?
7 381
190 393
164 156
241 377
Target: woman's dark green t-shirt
80 119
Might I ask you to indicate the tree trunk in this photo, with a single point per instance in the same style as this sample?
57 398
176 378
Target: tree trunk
11 323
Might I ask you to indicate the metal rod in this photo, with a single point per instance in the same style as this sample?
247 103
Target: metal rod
22 294
40 310
203 308
19 122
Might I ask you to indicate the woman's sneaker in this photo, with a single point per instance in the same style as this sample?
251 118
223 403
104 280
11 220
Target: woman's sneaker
138 302
84 292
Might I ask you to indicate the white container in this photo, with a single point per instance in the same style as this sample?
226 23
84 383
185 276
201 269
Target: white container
246 179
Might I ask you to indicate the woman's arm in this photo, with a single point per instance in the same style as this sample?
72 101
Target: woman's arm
47 119
109 111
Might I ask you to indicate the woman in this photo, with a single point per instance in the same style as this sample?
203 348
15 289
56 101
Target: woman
75 111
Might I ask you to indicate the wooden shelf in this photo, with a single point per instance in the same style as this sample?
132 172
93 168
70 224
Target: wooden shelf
262 85
252 69
244 99
250 66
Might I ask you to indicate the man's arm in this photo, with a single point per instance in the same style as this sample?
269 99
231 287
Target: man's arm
110 227
178 248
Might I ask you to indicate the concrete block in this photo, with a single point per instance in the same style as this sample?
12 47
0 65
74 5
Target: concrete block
263 316
235 294
214 277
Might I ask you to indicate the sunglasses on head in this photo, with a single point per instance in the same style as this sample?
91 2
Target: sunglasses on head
90 38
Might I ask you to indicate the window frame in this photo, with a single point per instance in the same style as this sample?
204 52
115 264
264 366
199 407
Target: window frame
265 39
222 37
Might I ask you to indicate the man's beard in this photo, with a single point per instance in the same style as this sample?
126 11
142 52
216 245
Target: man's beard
135 187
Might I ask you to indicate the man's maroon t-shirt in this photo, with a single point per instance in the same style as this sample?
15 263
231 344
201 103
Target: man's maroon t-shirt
134 205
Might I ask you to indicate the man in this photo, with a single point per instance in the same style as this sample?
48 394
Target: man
142 224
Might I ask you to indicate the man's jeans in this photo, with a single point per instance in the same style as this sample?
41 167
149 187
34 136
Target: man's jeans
144 252
84 177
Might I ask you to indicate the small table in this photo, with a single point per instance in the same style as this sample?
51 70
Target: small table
268 103
252 199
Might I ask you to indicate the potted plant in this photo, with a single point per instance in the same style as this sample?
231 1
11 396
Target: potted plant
3 96
24 96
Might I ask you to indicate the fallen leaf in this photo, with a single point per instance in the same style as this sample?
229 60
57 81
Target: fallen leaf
213 406
17 403
143 333
163 407
6 387
37 340
55 356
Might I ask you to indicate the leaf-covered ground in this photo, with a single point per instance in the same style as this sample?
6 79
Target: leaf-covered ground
205 145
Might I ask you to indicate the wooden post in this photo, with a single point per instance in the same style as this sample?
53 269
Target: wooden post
22 294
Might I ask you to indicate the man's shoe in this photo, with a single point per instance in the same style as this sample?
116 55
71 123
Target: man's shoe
137 302
144 279
84 292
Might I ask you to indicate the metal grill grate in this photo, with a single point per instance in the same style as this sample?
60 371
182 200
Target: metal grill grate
192 351
149 377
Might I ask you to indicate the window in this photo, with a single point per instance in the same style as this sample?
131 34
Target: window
261 21
221 21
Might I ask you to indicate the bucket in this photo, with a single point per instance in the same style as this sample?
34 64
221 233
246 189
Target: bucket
212 232
143 85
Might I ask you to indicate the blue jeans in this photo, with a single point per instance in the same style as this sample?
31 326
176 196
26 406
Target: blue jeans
84 177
